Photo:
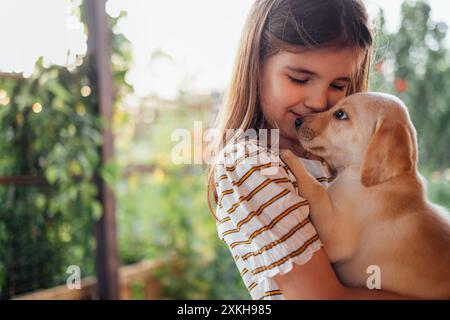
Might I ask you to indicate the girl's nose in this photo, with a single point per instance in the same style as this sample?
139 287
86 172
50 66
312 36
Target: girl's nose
317 101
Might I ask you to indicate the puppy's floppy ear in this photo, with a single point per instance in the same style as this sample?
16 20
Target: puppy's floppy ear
390 153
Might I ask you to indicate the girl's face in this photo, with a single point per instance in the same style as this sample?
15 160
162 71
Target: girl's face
293 85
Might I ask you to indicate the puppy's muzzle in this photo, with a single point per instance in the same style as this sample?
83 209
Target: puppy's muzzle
304 133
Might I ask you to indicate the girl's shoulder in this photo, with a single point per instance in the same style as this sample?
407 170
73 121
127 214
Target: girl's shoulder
242 158
255 152
247 152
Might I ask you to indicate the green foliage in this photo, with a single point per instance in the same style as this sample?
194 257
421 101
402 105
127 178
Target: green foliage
414 64
420 63
163 215
49 129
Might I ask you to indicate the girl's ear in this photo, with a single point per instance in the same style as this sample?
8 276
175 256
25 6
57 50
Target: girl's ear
390 153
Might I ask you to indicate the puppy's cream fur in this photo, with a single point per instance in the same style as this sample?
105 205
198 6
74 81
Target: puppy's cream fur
375 212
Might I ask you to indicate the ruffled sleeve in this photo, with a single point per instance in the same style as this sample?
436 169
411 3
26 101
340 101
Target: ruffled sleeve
261 217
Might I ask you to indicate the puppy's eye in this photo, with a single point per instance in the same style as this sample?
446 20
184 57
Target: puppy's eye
341 115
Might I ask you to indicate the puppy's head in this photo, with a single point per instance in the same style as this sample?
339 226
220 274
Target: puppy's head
368 130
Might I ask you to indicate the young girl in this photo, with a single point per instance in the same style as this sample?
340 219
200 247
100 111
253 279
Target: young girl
295 57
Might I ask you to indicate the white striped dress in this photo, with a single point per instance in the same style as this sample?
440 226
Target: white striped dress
261 217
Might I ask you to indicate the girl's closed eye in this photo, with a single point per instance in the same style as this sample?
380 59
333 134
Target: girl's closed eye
340 87
298 81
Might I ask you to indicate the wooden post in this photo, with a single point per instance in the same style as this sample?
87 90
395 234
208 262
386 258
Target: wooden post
99 52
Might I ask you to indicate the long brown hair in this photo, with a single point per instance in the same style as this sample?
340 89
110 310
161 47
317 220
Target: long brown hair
276 25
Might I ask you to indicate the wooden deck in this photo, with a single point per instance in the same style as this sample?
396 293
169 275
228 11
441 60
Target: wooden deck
141 273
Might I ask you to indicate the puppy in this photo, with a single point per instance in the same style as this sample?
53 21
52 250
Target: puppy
375 212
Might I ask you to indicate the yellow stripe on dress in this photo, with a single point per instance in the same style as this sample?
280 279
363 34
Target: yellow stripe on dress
279 241
251 194
279 218
234 244
253 213
291 255
257 212
245 156
244 271
249 173
271 293
253 285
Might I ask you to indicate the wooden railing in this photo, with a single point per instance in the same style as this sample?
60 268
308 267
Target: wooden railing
141 273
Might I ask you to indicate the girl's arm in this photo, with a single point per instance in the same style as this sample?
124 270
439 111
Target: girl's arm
317 280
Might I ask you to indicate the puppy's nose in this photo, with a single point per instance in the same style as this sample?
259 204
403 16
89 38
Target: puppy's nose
298 122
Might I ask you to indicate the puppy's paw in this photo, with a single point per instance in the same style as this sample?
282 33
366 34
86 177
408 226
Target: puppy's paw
308 185
292 161
287 155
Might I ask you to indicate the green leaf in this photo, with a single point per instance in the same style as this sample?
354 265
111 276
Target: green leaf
96 210
51 173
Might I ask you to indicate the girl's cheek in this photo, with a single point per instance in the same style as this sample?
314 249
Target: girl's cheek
336 98
290 97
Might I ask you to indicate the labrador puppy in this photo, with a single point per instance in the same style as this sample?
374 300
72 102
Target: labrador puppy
375 212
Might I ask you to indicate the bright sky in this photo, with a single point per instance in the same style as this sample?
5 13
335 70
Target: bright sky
201 36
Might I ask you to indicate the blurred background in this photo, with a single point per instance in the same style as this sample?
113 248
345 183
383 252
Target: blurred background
171 62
